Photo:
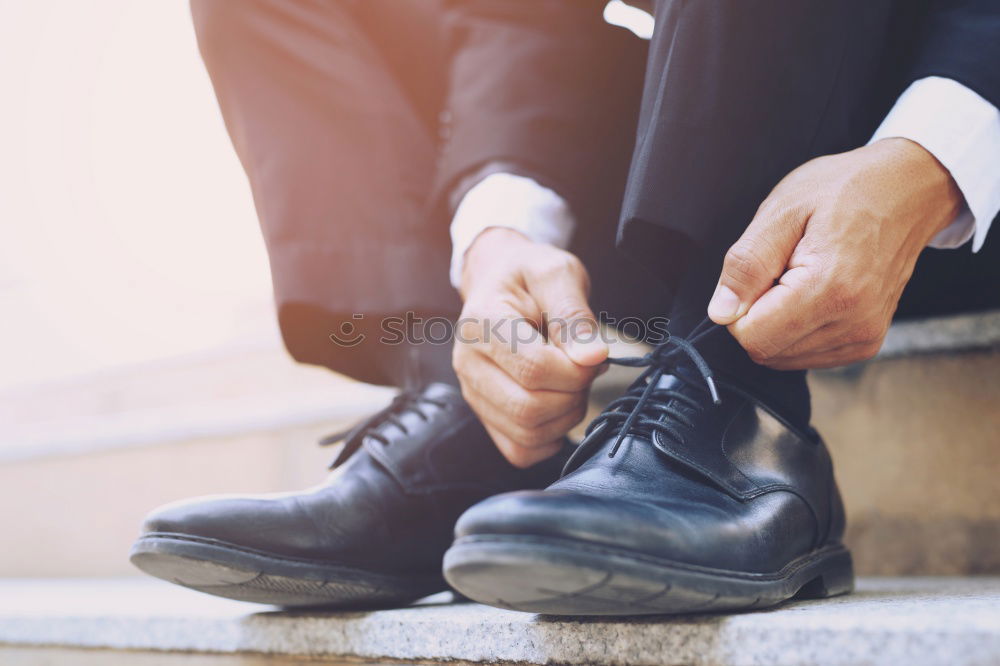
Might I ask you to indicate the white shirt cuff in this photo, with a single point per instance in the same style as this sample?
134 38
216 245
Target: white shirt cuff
962 131
514 202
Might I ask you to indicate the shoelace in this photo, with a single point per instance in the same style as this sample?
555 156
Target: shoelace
405 401
629 412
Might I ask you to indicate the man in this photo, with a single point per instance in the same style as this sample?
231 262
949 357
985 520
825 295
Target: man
779 166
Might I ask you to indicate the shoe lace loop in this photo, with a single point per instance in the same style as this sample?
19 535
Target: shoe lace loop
646 408
405 401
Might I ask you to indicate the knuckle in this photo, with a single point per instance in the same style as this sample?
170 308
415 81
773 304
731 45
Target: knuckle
772 209
758 351
581 381
858 352
522 436
869 334
567 262
813 279
567 318
844 296
569 310
557 263
525 411
470 329
743 264
870 350
528 372
532 438
518 457
842 303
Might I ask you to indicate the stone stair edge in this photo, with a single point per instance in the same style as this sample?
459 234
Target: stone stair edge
912 621
952 333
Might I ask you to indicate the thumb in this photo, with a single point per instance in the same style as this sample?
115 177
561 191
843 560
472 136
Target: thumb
583 342
569 323
756 260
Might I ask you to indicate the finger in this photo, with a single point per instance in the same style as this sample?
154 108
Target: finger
497 397
757 259
515 345
538 436
785 314
832 336
560 289
825 338
521 432
519 456
845 355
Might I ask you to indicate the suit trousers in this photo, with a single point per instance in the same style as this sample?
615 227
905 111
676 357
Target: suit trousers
335 111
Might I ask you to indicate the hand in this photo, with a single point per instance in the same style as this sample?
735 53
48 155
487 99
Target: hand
840 235
529 390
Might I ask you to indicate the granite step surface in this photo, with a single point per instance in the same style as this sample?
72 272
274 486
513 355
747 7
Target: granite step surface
887 621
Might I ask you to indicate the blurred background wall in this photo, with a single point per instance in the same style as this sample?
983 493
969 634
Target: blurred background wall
127 225
139 357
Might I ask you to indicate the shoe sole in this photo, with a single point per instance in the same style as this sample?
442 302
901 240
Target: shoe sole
227 570
564 577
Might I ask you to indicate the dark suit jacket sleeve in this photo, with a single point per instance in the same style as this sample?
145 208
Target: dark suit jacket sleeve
539 84
960 40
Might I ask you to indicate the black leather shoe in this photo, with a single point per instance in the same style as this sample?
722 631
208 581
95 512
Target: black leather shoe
372 535
671 504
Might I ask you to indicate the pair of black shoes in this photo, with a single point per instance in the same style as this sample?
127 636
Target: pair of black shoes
687 495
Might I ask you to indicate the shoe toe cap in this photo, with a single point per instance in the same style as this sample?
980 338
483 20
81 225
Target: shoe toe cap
261 523
200 516
560 514
673 530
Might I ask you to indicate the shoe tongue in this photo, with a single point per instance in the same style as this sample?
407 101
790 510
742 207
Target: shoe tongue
669 382
601 446
683 380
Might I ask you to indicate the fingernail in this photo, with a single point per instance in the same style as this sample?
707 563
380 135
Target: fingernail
725 304
582 335
582 341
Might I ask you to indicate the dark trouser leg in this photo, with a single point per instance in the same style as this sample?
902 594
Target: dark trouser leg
332 108
736 96
953 281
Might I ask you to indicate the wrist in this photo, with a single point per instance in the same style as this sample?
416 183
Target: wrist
927 180
492 247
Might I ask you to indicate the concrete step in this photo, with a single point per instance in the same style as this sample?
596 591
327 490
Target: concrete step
915 435
888 621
